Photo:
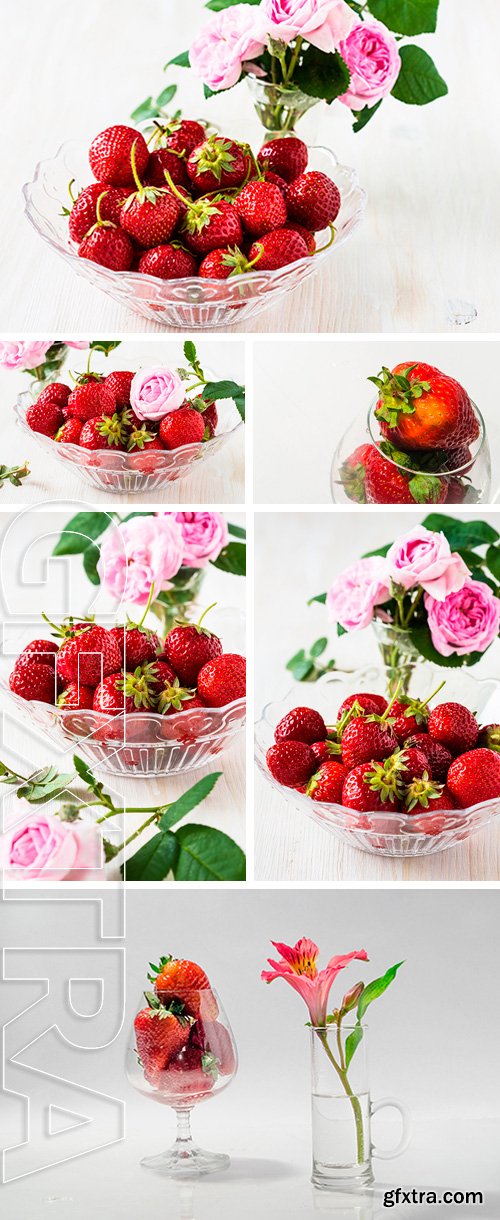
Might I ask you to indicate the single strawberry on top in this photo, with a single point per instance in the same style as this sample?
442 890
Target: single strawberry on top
119 382
421 408
91 396
188 647
286 156
301 724
215 164
183 982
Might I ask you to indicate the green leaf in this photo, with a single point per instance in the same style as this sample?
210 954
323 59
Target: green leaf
320 597
154 860
352 1042
301 670
376 989
232 559
421 637
190 351
91 558
207 92
44 786
478 574
189 800
104 345
218 5
180 61
462 534
79 531
364 116
319 646
236 530
145 110
83 771
166 95
214 390
208 855
341 630
381 550
322 74
419 81
493 561
406 16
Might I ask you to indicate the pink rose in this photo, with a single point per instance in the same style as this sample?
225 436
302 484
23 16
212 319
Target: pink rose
205 535
466 621
155 392
353 596
324 23
372 56
423 559
19 355
79 347
139 553
222 46
43 846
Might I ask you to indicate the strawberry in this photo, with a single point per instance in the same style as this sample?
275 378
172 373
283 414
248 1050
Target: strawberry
159 1035
210 420
489 736
323 751
367 741
261 207
110 697
277 249
215 164
411 763
222 680
474 777
108 246
84 211
188 648
286 156
353 473
169 262
183 135
180 981
361 791
306 234
301 724
457 491
313 200
119 383
181 427
421 408
165 159
143 456
190 1073
209 225
213 1037
438 756
175 700
45 417
150 214
385 483
110 155
137 644
291 762
269 176
159 674
75 697
327 783
223 263
88 654
364 703
408 716
42 651
106 431
422 793
56 392
92 396
69 433
454 727
32 680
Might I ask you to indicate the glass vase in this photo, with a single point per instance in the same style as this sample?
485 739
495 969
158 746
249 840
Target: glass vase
342 1111
399 655
279 108
175 605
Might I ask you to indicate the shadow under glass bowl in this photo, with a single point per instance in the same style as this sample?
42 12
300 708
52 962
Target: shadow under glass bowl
385 834
139 744
130 473
193 303
468 484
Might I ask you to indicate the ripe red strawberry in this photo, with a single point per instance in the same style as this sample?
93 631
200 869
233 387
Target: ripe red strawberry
88 655
169 262
261 207
42 651
313 200
215 164
188 647
323 751
182 427
327 783
291 762
454 727
108 246
190 1073
183 135
45 417
69 433
56 392
150 215
306 234
408 716
277 249
474 777
421 408
220 264
444 801
137 645
119 383
32 680
210 225
222 680
110 155
385 483
367 741
110 696
91 397
106 431
159 1036
353 473
160 675
184 982
75 697
301 724
439 757
357 792
276 179
362 703
162 159
413 764
210 419
213 1037
489 736
83 214
286 156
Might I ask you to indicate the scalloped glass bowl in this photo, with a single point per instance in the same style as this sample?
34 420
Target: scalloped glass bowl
387 834
143 744
364 429
129 473
188 304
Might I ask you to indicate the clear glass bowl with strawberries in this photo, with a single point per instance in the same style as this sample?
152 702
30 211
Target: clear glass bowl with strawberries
129 700
424 441
181 1052
407 778
170 253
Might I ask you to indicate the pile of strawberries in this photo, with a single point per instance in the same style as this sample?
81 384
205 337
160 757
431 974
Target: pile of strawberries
123 670
396 757
96 414
189 204
181 1046
427 423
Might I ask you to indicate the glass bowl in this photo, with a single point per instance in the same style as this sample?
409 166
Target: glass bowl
193 303
387 834
129 473
141 744
469 484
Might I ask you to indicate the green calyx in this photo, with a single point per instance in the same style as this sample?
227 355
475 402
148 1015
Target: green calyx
173 697
385 778
67 629
397 394
210 1065
422 792
111 428
199 211
157 969
214 156
139 686
353 481
426 489
139 437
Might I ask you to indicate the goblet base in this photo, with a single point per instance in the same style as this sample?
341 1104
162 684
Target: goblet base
346 1178
182 1162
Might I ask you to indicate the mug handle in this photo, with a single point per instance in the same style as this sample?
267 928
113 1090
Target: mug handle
406 1127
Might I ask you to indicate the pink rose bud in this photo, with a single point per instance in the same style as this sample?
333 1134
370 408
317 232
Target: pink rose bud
155 392
351 997
44 847
205 536
140 553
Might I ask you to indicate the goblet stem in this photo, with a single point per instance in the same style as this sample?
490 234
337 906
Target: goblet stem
184 1140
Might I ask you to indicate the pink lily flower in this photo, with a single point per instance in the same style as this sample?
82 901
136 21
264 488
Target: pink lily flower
298 967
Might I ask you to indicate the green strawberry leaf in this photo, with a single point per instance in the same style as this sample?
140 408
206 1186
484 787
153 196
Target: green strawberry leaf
406 16
419 81
232 559
81 530
208 855
188 801
154 861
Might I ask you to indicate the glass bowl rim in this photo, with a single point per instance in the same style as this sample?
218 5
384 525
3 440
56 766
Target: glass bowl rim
459 470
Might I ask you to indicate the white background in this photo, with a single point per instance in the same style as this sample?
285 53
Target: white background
433 1039
308 394
432 173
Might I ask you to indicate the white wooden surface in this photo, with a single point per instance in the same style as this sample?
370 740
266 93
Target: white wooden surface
217 480
297 556
432 174
60 587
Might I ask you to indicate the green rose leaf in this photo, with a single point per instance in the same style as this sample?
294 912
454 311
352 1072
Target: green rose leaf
318 648
179 61
166 95
376 989
493 561
154 861
421 637
236 530
232 559
208 855
362 117
382 550
218 5
188 801
91 558
190 351
79 531
44 786
320 597
145 110
419 81
352 1042
462 534
406 16
322 74
214 390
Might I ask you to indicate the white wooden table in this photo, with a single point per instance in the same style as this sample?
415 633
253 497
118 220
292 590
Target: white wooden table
217 480
432 175
297 556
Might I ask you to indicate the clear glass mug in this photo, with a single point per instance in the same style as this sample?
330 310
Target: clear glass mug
342 1111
